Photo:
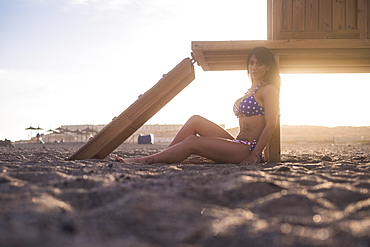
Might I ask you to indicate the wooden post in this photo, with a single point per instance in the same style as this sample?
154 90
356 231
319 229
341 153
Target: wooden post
273 149
270 20
148 104
363 18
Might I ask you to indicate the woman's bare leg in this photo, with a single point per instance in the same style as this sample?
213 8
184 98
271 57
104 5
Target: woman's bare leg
197 125
216 149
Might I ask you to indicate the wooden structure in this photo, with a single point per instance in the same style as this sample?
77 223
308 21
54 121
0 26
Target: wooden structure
318 19
306 36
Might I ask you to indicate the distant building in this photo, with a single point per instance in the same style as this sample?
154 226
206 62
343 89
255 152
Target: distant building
164 133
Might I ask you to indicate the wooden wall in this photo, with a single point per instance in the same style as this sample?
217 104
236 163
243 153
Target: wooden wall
318 19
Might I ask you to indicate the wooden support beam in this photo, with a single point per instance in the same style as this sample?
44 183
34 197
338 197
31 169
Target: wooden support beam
291 44
363 18
130 120
274 146
296 56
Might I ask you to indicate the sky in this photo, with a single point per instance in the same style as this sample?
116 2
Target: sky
71 62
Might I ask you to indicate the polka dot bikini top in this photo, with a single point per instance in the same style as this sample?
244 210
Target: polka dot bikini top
249 106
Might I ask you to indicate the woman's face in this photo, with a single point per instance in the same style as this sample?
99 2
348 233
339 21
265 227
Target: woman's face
257 70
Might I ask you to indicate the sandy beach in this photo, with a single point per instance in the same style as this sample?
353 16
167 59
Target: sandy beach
319 195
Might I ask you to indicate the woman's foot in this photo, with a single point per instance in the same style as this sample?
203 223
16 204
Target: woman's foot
119 159
145 160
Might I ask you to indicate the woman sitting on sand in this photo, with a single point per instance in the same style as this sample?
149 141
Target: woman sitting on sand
257 111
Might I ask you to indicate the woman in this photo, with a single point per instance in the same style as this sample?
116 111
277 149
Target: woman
257 111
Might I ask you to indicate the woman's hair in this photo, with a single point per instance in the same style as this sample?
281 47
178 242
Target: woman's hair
265 56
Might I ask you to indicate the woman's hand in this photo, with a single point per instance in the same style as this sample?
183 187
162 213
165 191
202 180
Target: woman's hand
252 159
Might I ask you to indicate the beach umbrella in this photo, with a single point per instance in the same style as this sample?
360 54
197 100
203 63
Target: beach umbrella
62 131
30 128
65 132
56 133
88 130
77 132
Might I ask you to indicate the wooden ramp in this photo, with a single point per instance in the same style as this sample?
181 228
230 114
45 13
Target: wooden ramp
148 104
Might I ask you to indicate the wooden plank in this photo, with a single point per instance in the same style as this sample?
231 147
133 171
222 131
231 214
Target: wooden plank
335 53
270 20
230 53
343 56
362 18
323 62
324 70
292 45
325 15
351 14
332 19
123 126
227 59
339 15
274 145
287 15
312 15
201 61
368 20
298 22
277 19
321 34
222 67
308 62
327 69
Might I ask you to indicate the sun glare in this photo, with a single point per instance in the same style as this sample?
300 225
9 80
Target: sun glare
324 99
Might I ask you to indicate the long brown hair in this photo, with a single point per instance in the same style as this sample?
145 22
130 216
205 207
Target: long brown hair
265 56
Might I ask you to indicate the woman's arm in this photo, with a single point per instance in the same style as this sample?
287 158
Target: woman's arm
270 97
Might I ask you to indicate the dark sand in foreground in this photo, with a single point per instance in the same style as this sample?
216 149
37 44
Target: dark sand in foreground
318 196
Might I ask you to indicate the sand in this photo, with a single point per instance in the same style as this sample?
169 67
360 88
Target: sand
319 195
